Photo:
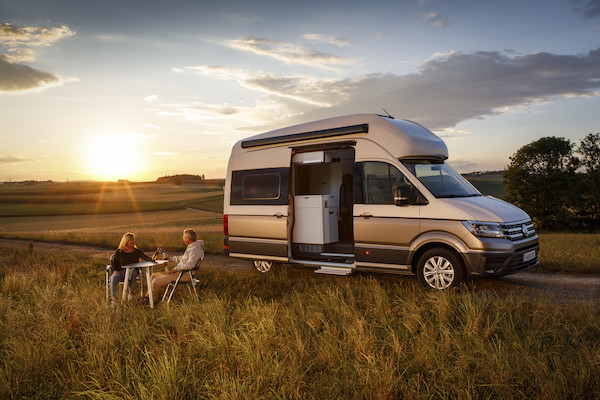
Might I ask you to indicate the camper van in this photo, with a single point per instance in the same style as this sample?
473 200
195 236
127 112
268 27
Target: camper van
369 193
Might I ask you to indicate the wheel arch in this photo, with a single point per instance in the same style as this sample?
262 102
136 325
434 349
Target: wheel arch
438 240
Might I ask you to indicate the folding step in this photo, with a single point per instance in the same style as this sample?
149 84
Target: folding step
341 255
329 270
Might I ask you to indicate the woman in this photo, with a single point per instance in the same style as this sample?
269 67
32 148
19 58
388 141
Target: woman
126 254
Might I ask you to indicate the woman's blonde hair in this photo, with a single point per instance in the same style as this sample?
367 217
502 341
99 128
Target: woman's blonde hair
125 239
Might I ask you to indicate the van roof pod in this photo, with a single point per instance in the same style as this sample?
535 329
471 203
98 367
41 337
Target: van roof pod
402 138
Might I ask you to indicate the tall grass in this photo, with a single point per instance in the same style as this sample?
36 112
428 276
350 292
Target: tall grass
147 239
560 252
569 253
292 335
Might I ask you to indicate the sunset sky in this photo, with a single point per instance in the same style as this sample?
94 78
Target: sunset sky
140 89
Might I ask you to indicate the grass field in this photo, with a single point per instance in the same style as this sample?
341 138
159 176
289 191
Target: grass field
569 253
99 213
560 252
293 335
93 198
488 184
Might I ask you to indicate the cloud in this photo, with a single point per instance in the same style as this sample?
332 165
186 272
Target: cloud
587 8
302 88
318 38
448 89
454 133
290 53
437 19
110 38
197 111
11 159
17 43
464 166
461 86
31 36
151 98
19 77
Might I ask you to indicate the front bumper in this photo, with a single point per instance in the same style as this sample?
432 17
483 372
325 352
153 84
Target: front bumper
502 264
494 261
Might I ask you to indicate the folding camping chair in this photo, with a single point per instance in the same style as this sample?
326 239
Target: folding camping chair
192 282
107 281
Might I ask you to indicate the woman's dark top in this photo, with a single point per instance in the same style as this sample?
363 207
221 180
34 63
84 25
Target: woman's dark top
121 258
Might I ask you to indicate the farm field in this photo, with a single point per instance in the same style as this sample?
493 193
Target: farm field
49 199
98 222
290 335
78 213
488 183
561 252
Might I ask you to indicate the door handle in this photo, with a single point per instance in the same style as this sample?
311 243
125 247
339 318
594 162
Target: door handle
366 215
278 215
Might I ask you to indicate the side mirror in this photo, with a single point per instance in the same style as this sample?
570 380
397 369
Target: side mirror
403 196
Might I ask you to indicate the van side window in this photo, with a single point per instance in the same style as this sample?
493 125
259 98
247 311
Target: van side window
268 186
379 180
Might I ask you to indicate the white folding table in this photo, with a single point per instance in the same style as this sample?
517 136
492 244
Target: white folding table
147 265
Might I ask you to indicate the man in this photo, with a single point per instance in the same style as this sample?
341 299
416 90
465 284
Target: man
193 253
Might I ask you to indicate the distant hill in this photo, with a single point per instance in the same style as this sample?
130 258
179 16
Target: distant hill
183 179
180 179
488 182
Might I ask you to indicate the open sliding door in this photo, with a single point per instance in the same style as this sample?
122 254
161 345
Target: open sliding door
259 207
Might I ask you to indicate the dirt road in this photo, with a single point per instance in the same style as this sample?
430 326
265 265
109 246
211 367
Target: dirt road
562 286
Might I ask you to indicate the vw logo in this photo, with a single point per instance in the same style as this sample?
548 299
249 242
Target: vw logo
525 230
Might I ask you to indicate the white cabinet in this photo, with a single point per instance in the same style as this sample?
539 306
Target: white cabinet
316 219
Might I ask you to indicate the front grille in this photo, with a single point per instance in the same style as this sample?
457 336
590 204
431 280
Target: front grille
519 231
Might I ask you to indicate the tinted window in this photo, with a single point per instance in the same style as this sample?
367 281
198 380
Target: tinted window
377 182
260 186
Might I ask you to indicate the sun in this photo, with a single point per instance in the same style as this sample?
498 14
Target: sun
112 156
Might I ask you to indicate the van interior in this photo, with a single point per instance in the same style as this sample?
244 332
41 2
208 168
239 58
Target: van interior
322 203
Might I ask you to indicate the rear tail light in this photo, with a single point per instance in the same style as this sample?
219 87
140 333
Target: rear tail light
226 224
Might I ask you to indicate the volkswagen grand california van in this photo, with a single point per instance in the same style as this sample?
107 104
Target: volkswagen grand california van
367 193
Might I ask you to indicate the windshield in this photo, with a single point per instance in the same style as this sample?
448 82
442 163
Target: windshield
441 180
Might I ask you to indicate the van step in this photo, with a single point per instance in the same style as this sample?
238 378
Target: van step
337 255
334 270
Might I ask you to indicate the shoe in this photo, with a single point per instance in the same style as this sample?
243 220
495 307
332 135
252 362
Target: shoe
113 303
145 301
130 297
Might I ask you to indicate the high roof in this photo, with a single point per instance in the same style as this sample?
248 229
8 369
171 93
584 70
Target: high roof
402 138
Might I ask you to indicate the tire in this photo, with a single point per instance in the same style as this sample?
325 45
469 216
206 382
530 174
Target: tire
265 266
440 269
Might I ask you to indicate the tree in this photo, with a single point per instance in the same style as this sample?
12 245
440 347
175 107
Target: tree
541 180
589 150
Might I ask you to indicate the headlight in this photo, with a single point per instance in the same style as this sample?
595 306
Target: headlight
484 229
